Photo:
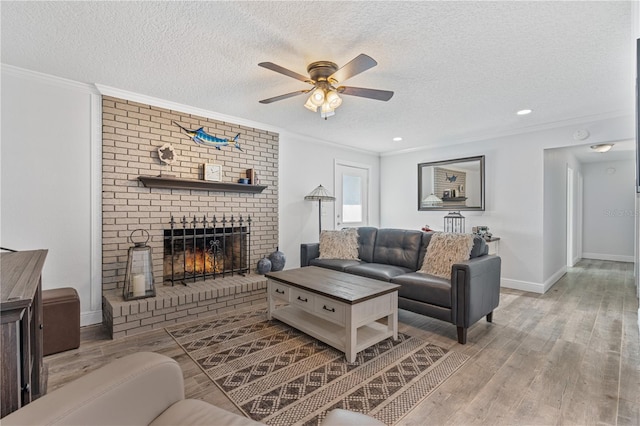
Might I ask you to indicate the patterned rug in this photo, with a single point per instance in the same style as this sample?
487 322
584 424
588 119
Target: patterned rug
280 376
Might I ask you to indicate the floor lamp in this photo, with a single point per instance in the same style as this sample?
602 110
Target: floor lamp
320 194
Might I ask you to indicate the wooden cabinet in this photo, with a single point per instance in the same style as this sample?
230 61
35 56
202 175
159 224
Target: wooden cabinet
21 374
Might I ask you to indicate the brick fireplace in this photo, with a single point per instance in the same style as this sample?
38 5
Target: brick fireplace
131 135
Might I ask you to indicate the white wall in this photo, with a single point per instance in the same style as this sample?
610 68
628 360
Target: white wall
554 227
609 210
47 177
514 183
305 164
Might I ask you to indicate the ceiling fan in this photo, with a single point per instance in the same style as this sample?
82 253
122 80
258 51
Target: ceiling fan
324 76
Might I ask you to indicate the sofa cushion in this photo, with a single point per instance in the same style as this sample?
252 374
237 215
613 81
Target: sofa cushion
339 244
335 264
197 412
398 247
366 242
340 417
425 288
378 271
480 247
444 250
426 238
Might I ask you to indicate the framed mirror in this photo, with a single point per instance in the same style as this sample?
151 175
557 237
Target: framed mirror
451 185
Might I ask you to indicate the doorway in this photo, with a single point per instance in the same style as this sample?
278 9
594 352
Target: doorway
352 194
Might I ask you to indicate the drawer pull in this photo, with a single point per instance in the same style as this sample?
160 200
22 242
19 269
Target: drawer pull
279 291
327 309
303 300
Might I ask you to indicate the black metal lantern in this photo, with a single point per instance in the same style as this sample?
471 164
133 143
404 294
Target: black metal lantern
138 281
454 222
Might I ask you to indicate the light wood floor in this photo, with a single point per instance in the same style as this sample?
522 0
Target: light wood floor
570 356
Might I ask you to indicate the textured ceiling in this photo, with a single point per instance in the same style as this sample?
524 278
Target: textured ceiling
459 70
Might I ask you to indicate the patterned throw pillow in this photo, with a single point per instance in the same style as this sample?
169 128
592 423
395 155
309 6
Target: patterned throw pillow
444 250
339 244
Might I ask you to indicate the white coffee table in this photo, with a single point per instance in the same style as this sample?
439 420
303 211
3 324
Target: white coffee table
340 309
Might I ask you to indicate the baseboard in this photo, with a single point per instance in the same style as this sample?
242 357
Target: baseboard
604 256
554 278
522 285
540 288
90 318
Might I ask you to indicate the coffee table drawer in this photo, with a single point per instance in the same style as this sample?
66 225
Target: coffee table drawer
280 291
329 309
302 298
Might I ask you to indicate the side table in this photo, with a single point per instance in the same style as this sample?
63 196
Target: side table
494 245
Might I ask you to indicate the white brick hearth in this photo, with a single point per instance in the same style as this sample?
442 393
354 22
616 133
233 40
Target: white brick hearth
181 303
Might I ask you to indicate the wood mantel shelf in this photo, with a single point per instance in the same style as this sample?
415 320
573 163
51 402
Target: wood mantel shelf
203 185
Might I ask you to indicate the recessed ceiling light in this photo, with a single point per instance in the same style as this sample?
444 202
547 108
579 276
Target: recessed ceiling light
524 111
603 147
397 139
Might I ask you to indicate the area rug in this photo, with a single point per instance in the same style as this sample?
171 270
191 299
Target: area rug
280 376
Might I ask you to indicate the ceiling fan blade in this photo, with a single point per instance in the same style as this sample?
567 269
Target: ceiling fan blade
285 96
357 65
379 95
277 68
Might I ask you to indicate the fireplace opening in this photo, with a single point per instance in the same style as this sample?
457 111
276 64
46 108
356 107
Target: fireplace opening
201 249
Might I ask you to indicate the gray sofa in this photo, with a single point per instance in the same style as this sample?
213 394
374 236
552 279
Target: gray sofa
395 255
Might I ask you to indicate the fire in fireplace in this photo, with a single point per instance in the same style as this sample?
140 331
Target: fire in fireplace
202 248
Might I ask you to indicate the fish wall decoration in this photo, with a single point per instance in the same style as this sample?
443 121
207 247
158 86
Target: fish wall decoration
451 178
203 138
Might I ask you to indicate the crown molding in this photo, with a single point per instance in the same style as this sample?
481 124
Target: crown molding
513 132
49 79
175 106
310 139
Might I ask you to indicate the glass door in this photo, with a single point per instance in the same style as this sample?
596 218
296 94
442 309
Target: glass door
352 195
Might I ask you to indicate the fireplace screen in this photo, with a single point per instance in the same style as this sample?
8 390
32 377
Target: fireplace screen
200 249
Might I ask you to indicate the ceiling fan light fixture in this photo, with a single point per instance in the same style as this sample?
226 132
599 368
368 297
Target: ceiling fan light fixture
333 99
310 105
326 108
317 97
323 76
326 111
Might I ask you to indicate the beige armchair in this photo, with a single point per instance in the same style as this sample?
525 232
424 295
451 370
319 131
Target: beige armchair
141 389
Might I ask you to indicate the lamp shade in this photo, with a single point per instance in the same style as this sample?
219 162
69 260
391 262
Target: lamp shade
333 99
320 194
431 200
317 97
310 105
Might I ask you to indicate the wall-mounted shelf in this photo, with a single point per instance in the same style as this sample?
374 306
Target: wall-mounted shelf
454 199
203 185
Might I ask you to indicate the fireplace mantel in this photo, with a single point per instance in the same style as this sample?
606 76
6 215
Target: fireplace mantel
203 185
